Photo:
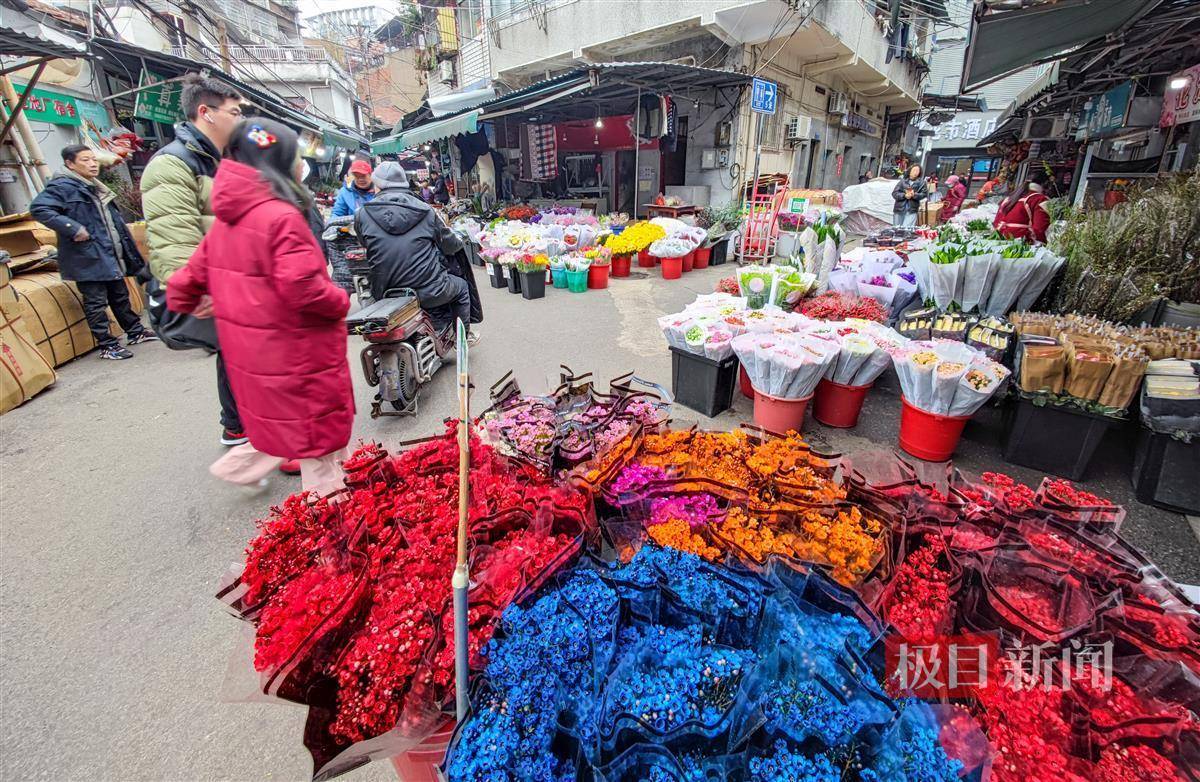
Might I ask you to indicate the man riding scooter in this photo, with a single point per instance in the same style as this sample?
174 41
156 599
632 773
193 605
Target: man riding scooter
408 246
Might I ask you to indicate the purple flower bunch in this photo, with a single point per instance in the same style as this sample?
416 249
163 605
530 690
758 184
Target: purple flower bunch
698 510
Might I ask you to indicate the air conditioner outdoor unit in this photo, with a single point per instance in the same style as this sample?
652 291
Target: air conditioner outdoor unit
838 103
1051 127
798 128
446 71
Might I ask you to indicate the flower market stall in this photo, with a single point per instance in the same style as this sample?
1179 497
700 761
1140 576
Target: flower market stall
651 602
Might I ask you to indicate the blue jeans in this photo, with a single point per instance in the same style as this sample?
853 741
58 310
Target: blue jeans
904 219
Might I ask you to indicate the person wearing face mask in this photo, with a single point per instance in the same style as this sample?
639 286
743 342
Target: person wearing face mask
956 193
356 192
260 274
95 248
908 194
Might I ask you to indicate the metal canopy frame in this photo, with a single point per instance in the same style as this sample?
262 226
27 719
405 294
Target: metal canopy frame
134 58
602 89
1161 42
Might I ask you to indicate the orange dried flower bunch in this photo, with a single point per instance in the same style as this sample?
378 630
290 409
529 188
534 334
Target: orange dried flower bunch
850 541
790 507
677 533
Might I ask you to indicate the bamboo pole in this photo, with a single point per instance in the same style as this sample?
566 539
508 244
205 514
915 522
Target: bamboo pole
462 578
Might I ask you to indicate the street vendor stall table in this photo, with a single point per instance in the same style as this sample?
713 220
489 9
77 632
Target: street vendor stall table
662 210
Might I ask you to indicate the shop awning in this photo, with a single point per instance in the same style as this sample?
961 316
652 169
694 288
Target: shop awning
434 130
1001 42
23 36
132 58
601 89
335 137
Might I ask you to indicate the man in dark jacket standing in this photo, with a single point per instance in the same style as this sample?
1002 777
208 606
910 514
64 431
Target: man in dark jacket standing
95 248
409 246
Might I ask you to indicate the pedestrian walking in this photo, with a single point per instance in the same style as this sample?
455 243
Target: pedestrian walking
908 194
956 193
95 249
281 321
177 201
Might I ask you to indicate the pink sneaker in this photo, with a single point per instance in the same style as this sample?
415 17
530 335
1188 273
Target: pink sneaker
290 467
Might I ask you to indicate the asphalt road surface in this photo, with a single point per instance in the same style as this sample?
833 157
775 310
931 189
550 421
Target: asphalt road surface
118 663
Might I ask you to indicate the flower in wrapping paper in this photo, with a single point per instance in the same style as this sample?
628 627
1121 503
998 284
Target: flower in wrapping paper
881 281
839 306
727 285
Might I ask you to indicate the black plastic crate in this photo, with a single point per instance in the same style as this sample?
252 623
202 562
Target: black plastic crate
1165 472
1057 440
701 383
720 253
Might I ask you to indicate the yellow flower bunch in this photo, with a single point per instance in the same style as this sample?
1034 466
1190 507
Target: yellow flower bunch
635 238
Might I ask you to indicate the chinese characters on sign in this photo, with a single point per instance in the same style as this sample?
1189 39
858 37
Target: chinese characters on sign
1106 112
52 107
954 666
1181 104
965 130
159 103
860 123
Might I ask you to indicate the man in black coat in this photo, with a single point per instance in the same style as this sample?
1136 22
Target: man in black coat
408 246
95 248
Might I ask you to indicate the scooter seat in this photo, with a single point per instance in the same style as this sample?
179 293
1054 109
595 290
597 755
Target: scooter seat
383 315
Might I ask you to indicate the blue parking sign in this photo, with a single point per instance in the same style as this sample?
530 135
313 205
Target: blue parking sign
762 96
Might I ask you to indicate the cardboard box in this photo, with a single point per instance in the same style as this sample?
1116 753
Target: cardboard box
19 234
24 371
930 214
53 313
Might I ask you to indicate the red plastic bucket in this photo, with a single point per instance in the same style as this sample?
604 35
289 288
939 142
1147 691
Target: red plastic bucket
779 415
620 266
597 276
744 383
646 260
838 405
689 260
702 256
672 268
929 436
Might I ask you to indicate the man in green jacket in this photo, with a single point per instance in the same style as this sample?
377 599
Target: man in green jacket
176 198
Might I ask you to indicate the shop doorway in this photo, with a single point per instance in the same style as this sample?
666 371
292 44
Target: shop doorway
625 183
674 164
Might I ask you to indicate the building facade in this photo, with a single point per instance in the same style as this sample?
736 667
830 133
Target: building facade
843 70
949 144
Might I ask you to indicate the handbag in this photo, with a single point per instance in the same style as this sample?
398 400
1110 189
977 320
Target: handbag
178 330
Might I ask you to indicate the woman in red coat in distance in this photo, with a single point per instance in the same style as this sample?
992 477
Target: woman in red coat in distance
956 193
1023 214
279 318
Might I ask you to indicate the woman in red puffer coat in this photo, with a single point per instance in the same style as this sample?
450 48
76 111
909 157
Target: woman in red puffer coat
280 319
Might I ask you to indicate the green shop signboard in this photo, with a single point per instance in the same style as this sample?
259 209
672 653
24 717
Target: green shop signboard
52 107
158 103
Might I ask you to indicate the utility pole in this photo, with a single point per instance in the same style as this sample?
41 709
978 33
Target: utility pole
223 34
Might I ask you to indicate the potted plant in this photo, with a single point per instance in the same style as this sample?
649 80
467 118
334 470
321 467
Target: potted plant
495 270
509 261
558 272
790 226
577 272
531 270
601 258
